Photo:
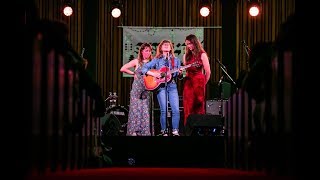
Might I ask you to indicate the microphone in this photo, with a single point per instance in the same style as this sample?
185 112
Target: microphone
82 52
220 81
167 56
167 60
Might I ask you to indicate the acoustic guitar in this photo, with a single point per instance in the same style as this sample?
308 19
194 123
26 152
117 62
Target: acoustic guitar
152 83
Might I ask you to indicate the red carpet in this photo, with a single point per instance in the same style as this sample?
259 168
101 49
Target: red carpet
153 173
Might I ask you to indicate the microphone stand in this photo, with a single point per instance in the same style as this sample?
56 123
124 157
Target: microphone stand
220 88
224 69
166 87
221 96
221 78
247 49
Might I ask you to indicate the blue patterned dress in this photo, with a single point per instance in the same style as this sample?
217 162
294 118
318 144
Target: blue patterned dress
139 109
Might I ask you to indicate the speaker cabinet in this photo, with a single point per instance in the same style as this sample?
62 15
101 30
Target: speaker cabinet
204 125
216 107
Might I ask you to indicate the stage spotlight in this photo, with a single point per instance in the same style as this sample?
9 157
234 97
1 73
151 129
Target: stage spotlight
116 9
67 9
205 8
116 12
254 7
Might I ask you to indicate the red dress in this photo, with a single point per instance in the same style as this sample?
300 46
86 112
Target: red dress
194 89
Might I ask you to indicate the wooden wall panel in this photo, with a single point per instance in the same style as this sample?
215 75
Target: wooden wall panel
263 28
163 13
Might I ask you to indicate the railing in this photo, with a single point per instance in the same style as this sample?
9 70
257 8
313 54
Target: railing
259 120
66 105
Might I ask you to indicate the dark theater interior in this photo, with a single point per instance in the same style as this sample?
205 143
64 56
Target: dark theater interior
79 119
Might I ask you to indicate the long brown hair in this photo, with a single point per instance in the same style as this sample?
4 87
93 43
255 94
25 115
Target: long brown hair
198 49
140 55
159 51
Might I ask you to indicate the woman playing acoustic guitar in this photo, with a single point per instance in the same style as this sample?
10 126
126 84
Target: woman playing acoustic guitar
162 64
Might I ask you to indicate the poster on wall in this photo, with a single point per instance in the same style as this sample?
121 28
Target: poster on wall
133 37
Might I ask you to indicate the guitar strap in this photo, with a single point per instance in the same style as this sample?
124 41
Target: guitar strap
172 62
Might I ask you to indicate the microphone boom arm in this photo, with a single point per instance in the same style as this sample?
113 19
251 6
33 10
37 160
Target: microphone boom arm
224 69
225 72
247 49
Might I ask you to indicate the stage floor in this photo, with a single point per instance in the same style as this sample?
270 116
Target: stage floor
183 151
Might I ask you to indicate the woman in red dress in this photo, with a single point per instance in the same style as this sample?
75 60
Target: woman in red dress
196 77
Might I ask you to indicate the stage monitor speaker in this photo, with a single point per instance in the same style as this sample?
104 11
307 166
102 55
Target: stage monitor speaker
204 125
216 107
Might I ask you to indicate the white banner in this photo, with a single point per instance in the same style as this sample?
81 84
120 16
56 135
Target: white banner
133 37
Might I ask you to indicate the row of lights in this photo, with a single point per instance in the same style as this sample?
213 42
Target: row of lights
205 8
116 9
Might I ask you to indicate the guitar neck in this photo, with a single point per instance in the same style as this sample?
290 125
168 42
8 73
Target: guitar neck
181 68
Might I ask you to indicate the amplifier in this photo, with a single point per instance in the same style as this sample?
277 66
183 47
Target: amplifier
216 107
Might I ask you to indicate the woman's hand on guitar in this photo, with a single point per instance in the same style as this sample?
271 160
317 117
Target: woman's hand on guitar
156 74
153 73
